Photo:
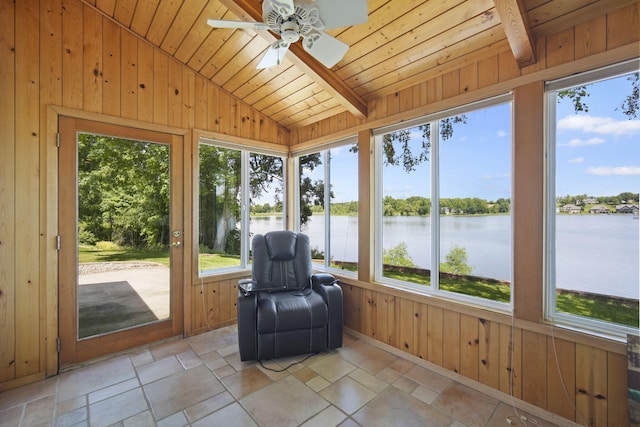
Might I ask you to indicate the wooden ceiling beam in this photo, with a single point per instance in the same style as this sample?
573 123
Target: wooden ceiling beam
513 20
327 79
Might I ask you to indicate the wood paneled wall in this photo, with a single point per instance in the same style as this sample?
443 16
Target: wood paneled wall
64 53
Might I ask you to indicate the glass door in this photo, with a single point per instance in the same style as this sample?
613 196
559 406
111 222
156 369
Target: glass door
121 232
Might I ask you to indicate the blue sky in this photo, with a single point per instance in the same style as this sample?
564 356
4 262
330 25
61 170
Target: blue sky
598 153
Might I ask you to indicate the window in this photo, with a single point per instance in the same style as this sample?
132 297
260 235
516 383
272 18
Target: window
444 204
230 179
328 205
592 226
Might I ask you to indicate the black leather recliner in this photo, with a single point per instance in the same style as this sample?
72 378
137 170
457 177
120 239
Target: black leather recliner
285 309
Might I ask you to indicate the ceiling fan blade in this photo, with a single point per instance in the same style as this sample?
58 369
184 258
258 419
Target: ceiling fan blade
325 48
220 23
342 13
274 54
283 7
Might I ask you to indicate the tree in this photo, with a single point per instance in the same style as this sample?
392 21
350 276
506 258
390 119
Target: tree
398 256
311 192
456 262
123 191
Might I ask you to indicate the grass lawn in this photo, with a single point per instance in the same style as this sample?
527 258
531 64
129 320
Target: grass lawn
206 261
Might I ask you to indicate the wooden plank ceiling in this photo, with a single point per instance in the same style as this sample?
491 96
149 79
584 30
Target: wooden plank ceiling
403 42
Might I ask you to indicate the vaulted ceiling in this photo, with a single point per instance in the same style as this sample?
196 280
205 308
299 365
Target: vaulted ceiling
402 43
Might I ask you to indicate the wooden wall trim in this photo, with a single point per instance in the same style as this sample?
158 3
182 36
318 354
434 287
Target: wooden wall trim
528 201
54 111
246 143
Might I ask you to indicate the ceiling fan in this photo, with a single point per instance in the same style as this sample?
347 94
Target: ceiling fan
306 19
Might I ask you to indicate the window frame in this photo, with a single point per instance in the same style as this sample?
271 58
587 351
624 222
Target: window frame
553 317
245 201
326 173
433 289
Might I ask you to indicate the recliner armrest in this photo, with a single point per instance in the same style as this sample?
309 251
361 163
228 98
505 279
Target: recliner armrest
247 332
323 279
327 286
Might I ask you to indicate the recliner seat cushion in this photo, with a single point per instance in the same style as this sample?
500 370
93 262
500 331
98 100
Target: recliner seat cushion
285 311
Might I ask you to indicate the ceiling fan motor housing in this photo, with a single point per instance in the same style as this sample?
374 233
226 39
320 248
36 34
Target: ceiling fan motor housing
289 31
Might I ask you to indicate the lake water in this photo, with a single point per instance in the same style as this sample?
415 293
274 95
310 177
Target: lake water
596 253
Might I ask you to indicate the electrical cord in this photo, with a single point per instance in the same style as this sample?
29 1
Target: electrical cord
292 364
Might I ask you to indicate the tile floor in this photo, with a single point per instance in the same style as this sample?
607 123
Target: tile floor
200 381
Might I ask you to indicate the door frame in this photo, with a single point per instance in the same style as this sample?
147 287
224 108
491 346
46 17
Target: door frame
50 223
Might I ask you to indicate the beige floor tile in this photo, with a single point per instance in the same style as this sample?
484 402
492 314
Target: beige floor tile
332 368
11 416
143 419
189 359
28 393
39 412
209 406
305 374
425 394
233 414
317 383
117 408
405 384
141 357
213 340
466 405
178 419
159 369
245 382
71 404
180 391
72 418
331 416
347 394
113 390
394 407
369 381
94 377
428 378
266 405
170 348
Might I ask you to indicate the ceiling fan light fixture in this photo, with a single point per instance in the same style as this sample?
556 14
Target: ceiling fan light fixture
290 31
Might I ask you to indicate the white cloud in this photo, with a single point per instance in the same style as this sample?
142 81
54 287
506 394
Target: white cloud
577 160
599 125
577 142
502 133
618 170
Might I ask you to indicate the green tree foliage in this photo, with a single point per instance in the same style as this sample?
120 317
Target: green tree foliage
311 192
421 206
456 262
123 191
219 189
630 106
398 256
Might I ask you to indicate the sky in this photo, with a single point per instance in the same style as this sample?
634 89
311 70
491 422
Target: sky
597 153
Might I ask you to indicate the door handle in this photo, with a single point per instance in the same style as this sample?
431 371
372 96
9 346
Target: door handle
176 244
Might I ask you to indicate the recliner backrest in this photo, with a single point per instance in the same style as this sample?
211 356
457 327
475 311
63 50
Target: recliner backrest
281 259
